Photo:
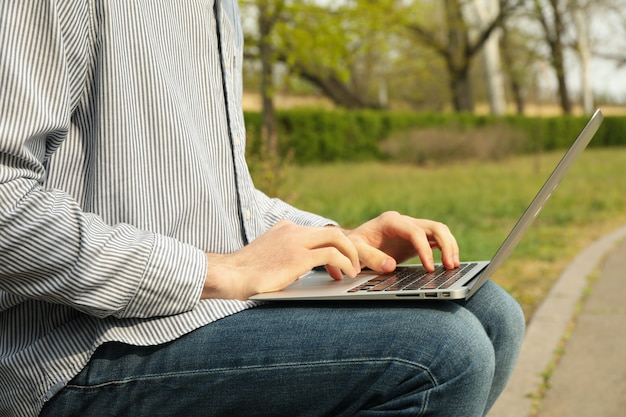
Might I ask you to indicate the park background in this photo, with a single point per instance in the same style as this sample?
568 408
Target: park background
455 110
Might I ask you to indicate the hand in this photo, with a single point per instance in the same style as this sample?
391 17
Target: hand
392 238
278 258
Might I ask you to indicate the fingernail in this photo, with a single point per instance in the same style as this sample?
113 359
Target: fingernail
387 265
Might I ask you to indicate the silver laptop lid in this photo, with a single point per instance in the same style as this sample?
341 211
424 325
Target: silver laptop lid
540 199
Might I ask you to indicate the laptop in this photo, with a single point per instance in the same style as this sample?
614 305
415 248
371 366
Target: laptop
413 281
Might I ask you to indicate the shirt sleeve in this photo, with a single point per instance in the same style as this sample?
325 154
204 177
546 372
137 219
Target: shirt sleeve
274 210
50 249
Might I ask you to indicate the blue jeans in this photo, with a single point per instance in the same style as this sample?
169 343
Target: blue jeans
313 359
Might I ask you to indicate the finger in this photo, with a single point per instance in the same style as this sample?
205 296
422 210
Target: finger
444 240
436 234
334 272
374 258
334 258
410 230
422 246
322 237
333 237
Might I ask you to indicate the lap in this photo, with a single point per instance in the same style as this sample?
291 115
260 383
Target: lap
283 358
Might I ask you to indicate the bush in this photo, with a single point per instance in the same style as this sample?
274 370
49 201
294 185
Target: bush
316 136
420 146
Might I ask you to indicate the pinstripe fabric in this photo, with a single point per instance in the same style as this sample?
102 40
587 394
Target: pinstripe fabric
121 161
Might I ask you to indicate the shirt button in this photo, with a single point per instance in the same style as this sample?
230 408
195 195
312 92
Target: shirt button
248 215
236 141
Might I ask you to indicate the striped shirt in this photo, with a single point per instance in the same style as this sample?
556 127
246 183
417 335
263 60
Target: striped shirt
122 161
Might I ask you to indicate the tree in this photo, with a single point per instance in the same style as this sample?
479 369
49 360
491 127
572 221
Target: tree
551 16
268 14
613 17
457 47
324 45
581 22
486 11
518 56
319 43
616 10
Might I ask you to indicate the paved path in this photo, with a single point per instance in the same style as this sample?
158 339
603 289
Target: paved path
590 379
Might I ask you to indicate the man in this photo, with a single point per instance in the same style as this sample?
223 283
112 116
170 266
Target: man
131 237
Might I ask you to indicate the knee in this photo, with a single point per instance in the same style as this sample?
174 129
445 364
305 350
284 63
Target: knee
513 323
467 352
501 316
478 355
464 367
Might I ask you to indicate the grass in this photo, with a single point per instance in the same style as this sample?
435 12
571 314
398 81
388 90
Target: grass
480 201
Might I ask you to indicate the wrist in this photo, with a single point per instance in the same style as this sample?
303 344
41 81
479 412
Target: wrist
220 281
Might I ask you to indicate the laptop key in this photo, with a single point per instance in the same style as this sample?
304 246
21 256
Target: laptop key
459 274
411 278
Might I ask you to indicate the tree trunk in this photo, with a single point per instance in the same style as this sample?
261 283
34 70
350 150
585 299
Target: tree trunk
491 55
495 80
558 56
461 88
584 51
457 58
559 67
268 113
516 85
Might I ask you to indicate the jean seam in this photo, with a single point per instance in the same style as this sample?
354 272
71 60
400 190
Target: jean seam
285 365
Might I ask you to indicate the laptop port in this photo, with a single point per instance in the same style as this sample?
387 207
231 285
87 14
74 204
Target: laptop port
431 295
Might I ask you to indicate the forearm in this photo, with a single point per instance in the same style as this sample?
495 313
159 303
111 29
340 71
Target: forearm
54 252
50 249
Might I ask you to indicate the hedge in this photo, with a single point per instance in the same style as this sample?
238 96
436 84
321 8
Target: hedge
313 136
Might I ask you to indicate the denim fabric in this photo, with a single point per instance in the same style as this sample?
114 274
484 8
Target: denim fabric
313 359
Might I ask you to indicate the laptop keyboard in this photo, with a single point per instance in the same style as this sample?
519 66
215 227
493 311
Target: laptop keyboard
414 278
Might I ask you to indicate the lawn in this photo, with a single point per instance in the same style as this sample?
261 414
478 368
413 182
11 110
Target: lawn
480 201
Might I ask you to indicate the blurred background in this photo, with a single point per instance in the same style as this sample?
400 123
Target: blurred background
354 107
478 56
454 110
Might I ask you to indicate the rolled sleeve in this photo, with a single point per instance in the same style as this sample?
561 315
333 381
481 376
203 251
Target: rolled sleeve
172 281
